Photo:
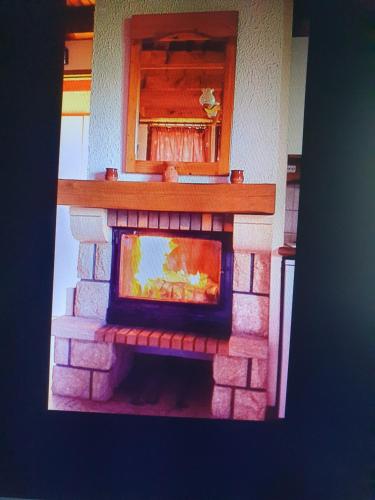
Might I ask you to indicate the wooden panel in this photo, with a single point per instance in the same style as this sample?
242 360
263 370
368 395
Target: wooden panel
153 58
76 85
215 198
209 24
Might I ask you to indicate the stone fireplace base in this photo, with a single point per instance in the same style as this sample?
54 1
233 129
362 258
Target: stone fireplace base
92 358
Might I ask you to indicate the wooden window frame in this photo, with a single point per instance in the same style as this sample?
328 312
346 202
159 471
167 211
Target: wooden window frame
215 25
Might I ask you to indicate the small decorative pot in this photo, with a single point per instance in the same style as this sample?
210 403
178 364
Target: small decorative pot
236 177
111 174
170 173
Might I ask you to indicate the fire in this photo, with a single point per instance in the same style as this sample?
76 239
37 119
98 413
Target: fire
159 269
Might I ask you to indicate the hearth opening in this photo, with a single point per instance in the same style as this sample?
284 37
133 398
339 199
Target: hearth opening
170 269
166 385
172 280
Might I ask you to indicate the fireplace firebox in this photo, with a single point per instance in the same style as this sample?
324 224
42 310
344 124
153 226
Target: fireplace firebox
172 280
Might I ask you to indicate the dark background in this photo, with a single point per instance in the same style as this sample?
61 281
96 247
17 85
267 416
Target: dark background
325 448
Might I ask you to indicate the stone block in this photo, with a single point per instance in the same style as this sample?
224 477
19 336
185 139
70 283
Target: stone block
85 263
102 386
96 355
252 237
228 370
252 219
73 382
105 382
91 299
261 275
259 369
221 402
123 363
73 327
61 353
249 346
89 225
249 405
103 259
250 314
69 305
241 272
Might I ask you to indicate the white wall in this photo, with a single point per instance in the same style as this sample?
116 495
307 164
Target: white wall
297 94
72 165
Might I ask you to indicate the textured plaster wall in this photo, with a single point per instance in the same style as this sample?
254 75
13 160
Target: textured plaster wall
259 62
297 94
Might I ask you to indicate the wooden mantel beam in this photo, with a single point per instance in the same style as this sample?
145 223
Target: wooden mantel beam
162 196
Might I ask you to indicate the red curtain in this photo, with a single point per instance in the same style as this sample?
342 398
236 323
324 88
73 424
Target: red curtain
178 144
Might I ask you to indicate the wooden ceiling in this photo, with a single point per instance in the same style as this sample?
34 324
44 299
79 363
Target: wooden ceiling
80 3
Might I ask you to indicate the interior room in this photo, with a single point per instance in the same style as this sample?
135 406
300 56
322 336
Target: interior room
178 195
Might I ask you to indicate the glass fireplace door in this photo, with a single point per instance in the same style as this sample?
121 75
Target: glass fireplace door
172 269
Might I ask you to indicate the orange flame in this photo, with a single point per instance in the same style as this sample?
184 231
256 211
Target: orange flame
160 270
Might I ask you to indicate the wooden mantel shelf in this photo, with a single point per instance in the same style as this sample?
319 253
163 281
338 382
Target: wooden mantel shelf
161 196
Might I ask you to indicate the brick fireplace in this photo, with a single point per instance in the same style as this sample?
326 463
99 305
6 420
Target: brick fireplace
92 356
